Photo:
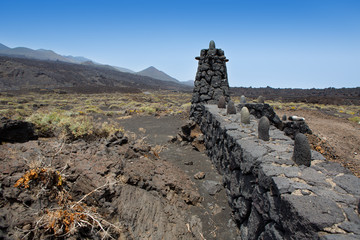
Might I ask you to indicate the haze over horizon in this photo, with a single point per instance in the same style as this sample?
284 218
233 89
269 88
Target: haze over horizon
277 43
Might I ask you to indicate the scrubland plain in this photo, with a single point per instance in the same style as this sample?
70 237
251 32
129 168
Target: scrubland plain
87 116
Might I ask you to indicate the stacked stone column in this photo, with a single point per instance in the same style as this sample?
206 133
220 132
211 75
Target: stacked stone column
211 81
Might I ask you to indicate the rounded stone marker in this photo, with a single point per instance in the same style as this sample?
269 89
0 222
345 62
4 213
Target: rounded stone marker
222 102
284 118
245 115
231 108
242 99
263 128
261 99
302 152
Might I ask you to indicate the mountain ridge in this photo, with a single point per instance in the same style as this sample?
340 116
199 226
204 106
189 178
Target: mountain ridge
3 47
157 74
44 54
24 73
40 54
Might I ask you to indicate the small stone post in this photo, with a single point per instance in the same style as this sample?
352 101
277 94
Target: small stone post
222 102
260 99
245 115
242 99
263 128
231 108
211 81
302 152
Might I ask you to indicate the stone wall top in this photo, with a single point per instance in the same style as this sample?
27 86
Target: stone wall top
271 196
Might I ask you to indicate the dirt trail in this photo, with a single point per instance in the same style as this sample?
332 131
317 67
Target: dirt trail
214 211
340 134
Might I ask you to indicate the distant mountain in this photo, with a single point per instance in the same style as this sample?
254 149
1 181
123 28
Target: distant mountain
3 47
43 54
157 74
30 53
121 69
105 66
188 83
77 59
24 74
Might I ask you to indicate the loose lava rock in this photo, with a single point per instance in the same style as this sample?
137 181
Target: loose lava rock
124 193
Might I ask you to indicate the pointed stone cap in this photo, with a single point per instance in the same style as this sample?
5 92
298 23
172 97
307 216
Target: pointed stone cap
212 45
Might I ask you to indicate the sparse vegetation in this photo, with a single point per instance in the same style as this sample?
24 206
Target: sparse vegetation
351 112
88 116
355 119
120 104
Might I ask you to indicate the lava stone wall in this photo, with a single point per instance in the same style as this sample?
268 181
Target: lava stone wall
271 197
211 81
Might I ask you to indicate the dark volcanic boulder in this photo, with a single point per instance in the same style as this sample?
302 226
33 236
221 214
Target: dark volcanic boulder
16 131
291 128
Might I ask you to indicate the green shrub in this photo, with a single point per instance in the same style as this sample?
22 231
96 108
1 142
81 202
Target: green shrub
355 119
69 125
147 109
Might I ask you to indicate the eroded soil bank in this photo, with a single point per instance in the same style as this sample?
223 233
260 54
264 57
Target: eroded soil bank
132 186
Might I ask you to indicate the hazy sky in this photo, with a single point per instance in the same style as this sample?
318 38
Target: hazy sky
292 43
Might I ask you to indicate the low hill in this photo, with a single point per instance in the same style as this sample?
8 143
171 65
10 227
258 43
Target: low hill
22 73
157 74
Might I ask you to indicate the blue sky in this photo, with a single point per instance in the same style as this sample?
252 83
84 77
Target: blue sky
292 43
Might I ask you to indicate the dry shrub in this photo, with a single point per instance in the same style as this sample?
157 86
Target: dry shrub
65 217
46 177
